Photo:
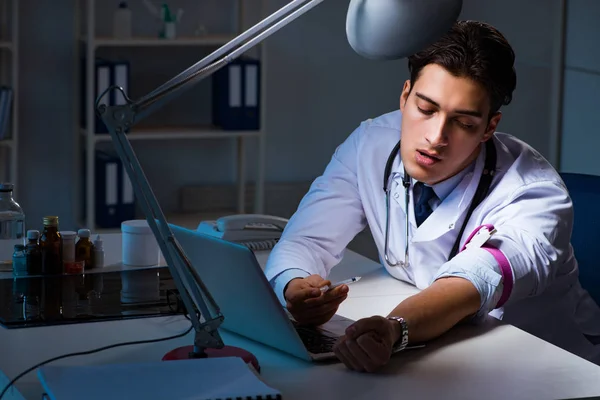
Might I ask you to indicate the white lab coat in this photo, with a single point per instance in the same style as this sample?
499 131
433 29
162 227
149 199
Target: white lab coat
528 204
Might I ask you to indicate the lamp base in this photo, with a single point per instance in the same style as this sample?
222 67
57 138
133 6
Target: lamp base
187 352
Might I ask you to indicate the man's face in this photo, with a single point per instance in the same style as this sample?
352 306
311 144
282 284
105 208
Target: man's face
444 121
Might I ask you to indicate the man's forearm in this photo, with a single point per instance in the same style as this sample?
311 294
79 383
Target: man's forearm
438 308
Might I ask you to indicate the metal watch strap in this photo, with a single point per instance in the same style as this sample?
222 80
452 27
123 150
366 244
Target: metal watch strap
402 342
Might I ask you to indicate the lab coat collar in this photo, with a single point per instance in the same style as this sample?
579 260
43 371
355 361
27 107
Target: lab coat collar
447 215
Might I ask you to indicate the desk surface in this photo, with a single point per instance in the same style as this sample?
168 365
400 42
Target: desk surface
492 361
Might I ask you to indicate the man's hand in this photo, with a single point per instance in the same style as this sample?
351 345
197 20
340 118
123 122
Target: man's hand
368 343
308 304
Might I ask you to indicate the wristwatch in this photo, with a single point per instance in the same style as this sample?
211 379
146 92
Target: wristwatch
402 342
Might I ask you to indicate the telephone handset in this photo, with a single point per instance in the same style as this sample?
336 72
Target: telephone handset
257 231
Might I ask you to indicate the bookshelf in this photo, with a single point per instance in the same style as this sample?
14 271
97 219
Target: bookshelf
209 40
9 76
90 41
175 132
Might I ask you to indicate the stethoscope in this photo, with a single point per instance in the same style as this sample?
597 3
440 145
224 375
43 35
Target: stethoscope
485 181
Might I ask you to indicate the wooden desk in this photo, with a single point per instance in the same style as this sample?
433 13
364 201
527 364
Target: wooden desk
492 361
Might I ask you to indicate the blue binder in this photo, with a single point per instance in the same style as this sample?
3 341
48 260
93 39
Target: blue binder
120 77
106 73
236 95
114 192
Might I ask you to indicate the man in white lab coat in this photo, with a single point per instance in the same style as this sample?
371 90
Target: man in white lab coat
525 273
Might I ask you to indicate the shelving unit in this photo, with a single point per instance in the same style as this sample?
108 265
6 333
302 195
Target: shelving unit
173 133
210 40
9 75
91 42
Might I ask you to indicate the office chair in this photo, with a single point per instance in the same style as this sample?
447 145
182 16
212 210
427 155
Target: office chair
585 194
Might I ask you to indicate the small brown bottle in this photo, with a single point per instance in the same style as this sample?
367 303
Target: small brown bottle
51 247
84 249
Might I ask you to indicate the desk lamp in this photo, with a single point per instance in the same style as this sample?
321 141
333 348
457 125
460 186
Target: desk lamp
376 29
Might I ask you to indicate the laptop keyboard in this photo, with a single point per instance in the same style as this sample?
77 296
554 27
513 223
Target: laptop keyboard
314 340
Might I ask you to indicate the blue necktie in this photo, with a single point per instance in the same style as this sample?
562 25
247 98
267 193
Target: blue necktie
422 207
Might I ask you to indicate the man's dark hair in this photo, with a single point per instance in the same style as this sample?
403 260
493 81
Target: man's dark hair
474 50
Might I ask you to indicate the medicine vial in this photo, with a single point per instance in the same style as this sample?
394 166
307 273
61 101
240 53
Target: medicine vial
51 247
98 252
84 249
33 253
19 260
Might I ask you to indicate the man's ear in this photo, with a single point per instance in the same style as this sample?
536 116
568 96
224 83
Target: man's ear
492 125
404 95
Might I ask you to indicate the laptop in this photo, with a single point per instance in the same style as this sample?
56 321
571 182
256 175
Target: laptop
251 309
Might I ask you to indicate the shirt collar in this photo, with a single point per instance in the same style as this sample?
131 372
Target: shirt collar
444 188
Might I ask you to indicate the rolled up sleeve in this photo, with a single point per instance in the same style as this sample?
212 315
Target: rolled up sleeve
533 234
522 258
479 267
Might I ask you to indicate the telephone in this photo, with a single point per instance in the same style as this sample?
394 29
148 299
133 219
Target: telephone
256 231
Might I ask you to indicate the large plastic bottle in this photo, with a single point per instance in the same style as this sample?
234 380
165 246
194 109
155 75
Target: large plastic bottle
12 225
122 22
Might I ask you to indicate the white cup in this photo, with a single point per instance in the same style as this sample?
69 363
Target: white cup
140 248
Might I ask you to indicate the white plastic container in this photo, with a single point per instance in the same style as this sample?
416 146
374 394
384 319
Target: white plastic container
68 239
140 248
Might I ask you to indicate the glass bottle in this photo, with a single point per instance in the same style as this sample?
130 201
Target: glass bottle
33 253
51 247
12 223
84 249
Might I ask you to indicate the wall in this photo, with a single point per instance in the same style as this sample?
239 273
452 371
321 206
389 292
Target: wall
47 150
318 91
530 26
333 89
580 139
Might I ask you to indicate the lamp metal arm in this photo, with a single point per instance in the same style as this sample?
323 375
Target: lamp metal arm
120 119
